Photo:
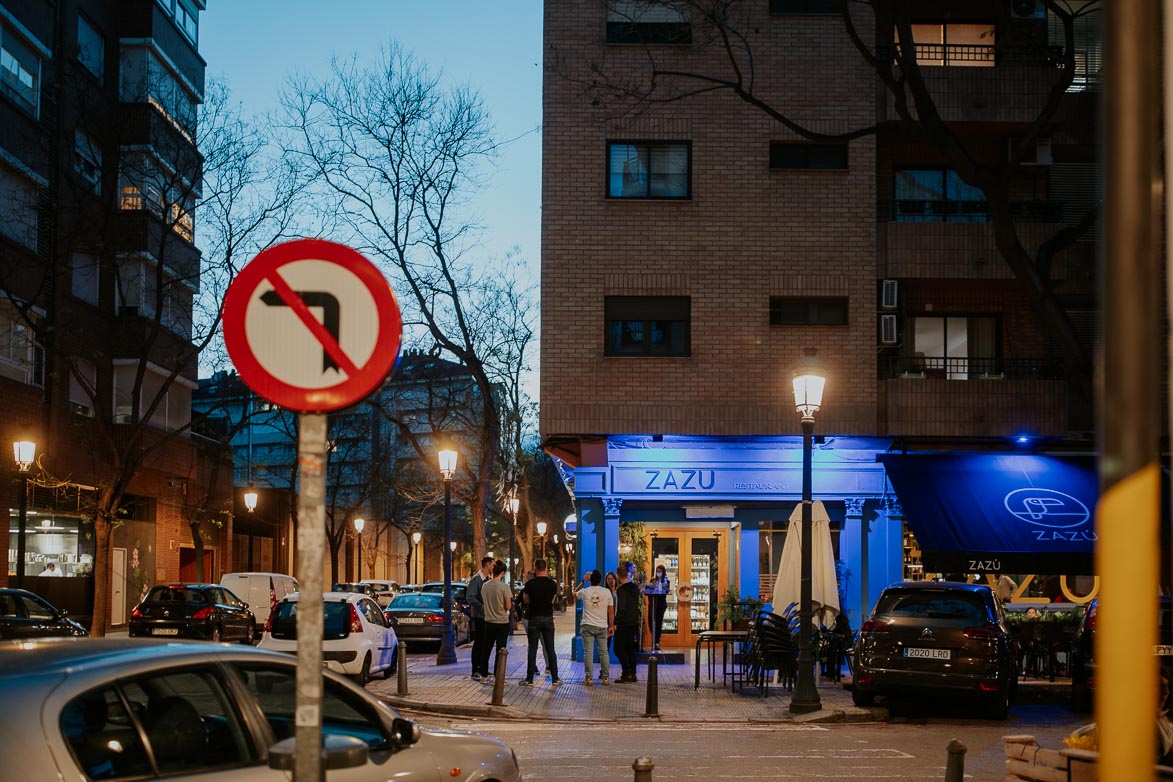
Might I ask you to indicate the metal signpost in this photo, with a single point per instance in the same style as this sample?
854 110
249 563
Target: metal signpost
311 326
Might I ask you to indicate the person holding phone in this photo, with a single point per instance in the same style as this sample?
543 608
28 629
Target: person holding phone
657 592
598 625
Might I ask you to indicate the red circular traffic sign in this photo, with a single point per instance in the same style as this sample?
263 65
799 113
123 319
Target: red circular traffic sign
312 326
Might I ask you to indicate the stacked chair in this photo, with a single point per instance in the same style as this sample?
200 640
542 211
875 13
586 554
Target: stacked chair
770 646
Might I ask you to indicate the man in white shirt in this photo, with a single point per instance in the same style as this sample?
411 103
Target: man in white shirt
51 570
598 623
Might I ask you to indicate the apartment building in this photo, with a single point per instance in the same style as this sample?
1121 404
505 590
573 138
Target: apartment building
99 174
692 249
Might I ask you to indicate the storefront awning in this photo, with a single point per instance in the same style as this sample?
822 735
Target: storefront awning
998 513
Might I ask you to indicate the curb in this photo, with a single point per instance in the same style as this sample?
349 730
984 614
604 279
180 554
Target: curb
456 710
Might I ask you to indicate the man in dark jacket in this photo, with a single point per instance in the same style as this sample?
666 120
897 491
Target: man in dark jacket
626 623
481 645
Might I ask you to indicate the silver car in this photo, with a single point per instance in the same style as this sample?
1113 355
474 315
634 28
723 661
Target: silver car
136 708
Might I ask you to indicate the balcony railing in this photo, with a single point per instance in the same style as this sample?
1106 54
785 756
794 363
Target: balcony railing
917 211
967 55
918 367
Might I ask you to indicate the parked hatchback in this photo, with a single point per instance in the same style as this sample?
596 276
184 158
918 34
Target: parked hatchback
1083 646
937 638
193 611
134 709
356 638
25 615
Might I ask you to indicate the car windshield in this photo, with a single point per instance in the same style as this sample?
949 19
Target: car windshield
416 600
925 604
175 594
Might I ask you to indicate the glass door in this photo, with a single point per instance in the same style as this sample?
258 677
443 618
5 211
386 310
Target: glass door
691 560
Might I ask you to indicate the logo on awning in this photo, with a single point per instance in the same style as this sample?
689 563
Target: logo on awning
1047 508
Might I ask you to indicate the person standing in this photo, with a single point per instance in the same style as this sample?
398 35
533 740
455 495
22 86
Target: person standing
1005 587
538 598
480 644
598 624
51 570
498 601
626 623
657 592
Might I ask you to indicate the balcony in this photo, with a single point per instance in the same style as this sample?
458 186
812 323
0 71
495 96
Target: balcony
143 232
146 125
145 19
933 397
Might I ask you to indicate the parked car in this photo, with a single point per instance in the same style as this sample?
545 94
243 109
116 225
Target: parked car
385 590
25 615
459 593
260 590
362 588
1083 644
356 638
194 611
937 638
118 708
420 615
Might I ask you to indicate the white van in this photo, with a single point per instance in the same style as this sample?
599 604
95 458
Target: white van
260 590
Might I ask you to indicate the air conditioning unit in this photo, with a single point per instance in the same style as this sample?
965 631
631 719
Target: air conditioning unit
1028 9
1039 154
888 334
889 294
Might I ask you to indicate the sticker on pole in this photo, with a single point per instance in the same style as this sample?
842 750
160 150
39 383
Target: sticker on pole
312 326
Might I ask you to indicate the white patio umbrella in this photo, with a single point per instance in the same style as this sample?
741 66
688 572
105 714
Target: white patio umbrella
824 587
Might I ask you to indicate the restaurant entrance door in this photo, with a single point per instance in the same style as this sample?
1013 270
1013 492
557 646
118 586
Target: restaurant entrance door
693 560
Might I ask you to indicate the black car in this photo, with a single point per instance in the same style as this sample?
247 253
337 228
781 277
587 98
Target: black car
459 594
25 615
420 616
1083 645
194 611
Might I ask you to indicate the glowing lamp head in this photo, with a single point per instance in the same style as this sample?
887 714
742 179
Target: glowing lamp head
447 463
250 499
809 378
514 505
541 525
452 545
25 453
416 537
359 524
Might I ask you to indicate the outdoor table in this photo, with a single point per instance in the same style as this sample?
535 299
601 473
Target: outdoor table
711 638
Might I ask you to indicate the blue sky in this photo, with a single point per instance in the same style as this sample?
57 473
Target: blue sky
494 47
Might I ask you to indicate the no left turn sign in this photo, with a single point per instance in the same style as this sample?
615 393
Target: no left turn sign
312 326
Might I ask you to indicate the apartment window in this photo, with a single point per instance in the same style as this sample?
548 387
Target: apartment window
805 6
937 195
647 325
807 311
955 346
85 277
786 156
647 22
20 69
91 47
21 357
18 215
187 19
182 222
87 160
969 45
649 169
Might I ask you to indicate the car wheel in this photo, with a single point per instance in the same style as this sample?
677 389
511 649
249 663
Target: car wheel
999 707
216 634
364 674
250 633
863 698
391 669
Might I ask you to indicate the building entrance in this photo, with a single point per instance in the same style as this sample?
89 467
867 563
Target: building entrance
694 561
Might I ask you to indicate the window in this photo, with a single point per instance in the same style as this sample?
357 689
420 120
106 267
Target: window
187 19
649 169
21 357
102 736
18 217
784 155
955 345
805 6
647 325
936 195
20 69
970 45
804 311
91 47
87 160
647 22
85 277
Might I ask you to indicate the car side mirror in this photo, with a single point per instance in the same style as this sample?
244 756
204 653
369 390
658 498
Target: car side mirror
337 752
404 732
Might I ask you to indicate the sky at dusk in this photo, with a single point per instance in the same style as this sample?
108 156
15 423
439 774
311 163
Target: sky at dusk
495 48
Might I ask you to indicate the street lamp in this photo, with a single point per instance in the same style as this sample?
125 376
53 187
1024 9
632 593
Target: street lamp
809 379
541 525
250 498
417 563
24 452
447 653
359 523
514 505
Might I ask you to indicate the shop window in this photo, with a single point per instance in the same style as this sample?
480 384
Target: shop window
649 169
785 156
808 311
647 22
937 196
91 47
956 347
939 44
20 69
647 325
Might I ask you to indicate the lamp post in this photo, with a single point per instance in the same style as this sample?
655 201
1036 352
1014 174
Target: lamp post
24 452
514 504
359 523
541 525
250 498
447 653
809 379
416 563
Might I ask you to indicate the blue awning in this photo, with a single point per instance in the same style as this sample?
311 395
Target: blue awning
999 513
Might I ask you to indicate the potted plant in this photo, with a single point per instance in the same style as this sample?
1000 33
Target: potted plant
736 612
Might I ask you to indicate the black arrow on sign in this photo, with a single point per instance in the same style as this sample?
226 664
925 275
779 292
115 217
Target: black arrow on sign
330 310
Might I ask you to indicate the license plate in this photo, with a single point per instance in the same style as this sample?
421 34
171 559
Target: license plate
1163 650
165 631
927 654
411 620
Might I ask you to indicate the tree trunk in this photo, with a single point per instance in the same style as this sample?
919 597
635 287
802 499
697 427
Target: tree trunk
103 551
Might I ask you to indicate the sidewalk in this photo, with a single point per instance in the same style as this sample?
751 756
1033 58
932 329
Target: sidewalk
447 689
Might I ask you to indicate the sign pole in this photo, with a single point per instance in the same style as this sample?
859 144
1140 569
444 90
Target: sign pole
311 543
